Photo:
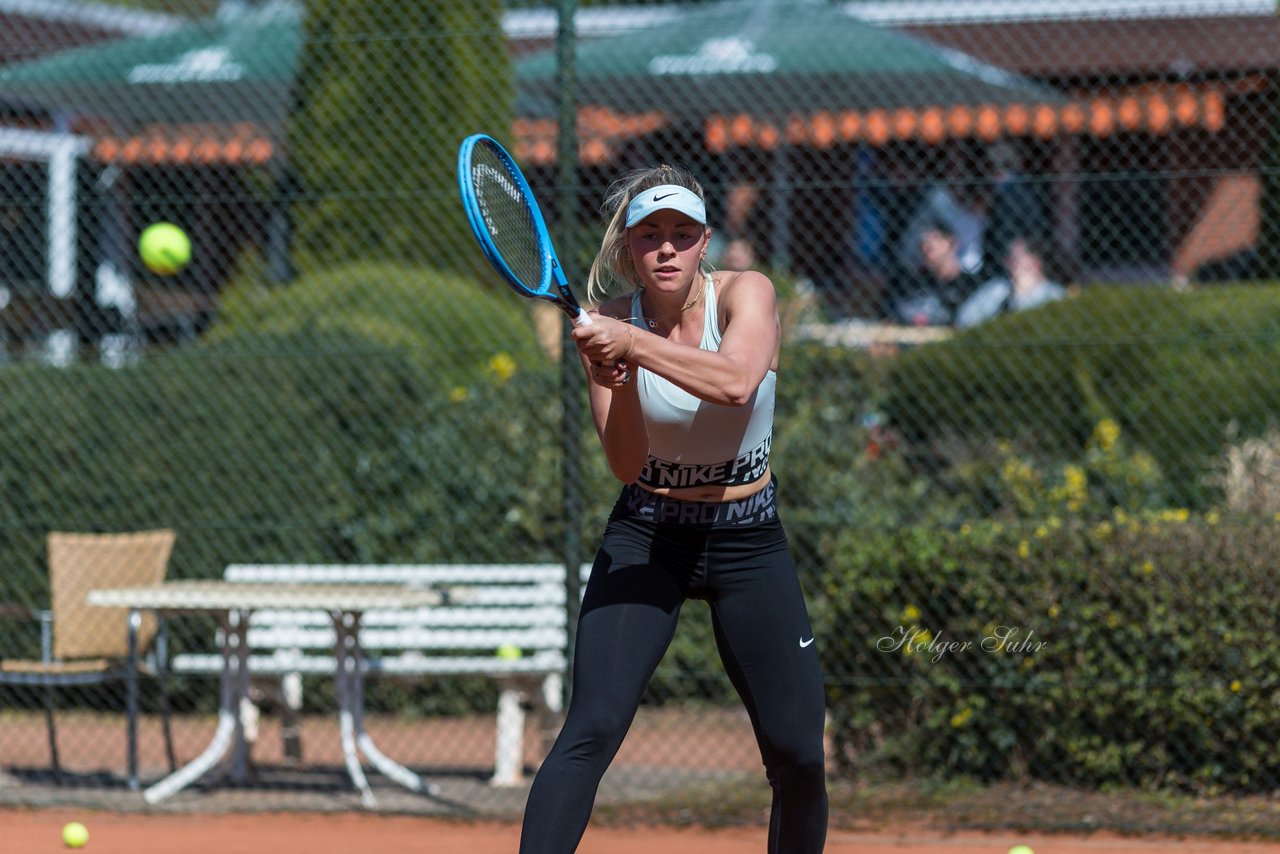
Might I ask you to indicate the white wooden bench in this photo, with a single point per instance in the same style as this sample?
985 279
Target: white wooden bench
497 606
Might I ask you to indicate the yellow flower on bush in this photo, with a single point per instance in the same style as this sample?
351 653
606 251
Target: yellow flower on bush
1075 485
919 640
503 366
458 393
910 615
1148 567
1024 549
1017 472
1236 687
1145 466
1023 483
1073 492
961 717
1106 434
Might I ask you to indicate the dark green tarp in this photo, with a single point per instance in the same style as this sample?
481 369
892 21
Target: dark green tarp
236 67
769 58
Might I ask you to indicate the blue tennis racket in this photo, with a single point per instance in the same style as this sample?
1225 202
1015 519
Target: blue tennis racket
508 224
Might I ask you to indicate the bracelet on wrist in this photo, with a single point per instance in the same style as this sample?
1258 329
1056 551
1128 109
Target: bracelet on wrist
631 341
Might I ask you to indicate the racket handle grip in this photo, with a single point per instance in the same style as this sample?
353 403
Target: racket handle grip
584 319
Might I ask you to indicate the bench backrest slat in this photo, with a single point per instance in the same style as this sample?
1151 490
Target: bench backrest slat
399 573
410 638
539 615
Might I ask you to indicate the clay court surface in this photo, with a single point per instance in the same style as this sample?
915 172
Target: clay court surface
710 739
36 831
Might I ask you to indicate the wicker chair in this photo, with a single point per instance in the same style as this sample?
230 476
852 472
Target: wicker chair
85 645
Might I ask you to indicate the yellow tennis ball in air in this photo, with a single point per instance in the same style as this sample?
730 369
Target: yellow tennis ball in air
164 248
75 835
1021 849
510 652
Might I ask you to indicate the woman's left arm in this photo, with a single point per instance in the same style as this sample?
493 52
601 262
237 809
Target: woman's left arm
750 331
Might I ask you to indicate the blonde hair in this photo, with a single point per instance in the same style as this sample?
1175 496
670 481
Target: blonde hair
613 262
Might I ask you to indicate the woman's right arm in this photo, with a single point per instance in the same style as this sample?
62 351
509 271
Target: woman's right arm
619 423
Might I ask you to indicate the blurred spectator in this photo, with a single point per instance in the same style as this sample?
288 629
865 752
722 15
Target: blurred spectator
1026 286
940 205
739 254
740 203
1013 210
931 298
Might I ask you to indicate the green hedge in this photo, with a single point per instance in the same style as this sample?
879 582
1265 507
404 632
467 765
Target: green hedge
244 454
1148 661
259 444
463 333
1176 371
836 465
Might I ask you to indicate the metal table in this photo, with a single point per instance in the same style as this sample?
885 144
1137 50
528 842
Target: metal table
233 602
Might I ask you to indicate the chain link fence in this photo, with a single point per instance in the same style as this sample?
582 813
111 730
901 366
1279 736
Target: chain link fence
1026 441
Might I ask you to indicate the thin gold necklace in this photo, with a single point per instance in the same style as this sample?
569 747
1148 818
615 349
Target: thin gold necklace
653 323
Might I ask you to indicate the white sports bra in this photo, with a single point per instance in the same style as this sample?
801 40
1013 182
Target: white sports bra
696 443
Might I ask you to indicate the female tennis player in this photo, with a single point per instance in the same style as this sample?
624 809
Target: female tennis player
682 372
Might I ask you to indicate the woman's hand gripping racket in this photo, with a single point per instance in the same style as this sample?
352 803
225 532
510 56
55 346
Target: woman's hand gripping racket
507 223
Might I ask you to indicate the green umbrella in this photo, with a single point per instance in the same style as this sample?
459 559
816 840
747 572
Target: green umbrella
769 58
236 67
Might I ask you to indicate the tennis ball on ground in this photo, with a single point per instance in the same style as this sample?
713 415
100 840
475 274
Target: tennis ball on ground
75 835
164 248
1021 849
510 652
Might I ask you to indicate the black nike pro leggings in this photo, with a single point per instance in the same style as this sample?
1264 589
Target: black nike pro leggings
655 554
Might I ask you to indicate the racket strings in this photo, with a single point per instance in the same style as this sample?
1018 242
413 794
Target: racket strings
507 217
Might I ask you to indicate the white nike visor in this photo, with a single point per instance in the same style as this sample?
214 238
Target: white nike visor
667 197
